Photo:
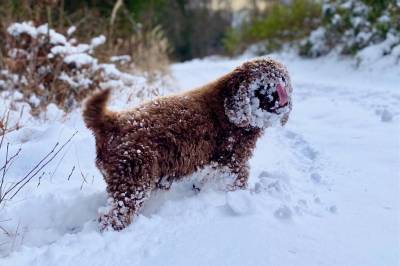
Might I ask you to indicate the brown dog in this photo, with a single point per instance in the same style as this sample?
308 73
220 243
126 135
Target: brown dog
171 137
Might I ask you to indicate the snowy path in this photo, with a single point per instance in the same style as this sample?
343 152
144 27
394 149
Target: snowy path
324 190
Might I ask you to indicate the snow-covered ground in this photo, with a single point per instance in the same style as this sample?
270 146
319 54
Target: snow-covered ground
324 189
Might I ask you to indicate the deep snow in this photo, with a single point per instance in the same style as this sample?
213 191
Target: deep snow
324 189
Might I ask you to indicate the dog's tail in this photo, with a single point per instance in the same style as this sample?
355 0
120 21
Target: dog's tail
95 113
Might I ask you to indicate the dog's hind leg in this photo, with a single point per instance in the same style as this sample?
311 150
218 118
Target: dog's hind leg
164 183
241 173
242 177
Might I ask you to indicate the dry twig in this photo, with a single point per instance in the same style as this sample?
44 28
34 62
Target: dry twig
11 191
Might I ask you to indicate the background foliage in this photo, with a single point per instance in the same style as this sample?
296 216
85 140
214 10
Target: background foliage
192 28
162 30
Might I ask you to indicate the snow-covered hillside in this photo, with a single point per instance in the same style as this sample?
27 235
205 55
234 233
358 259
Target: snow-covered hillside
324 189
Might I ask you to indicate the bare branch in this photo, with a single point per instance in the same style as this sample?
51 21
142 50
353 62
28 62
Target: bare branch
39 179
4 127
42 166
4 169
29 173
70 174
16 187
5 231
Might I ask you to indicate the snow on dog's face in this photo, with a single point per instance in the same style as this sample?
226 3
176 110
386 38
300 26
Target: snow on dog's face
259 94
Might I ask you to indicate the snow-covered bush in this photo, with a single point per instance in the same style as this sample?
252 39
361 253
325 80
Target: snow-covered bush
349 26
48 67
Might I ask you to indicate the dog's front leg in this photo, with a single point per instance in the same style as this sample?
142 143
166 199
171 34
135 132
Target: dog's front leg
124 206
237 161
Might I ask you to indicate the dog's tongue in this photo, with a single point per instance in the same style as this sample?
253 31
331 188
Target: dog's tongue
282 94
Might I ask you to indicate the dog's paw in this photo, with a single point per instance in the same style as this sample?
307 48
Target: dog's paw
112 222
236 186
164 183
105 226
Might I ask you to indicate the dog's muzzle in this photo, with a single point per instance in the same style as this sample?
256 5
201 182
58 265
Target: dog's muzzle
272 99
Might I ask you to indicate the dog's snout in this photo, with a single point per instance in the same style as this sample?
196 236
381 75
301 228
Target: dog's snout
272 97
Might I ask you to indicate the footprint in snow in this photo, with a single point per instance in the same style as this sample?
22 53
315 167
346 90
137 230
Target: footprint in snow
298 143
275 184
239 202
385 115
283 213
316 178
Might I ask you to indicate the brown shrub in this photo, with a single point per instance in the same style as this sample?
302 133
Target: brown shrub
47 67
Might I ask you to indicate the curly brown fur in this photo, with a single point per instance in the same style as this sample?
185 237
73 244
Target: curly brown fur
171 137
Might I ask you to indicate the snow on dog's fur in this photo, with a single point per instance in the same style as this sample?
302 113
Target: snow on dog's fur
171 137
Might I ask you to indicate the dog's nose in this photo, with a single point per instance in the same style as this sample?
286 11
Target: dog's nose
282 94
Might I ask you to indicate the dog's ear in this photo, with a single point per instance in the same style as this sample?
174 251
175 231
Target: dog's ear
237 99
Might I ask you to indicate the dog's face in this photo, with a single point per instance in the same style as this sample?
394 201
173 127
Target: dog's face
259 94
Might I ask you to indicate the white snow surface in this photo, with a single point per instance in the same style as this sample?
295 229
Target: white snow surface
324 190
